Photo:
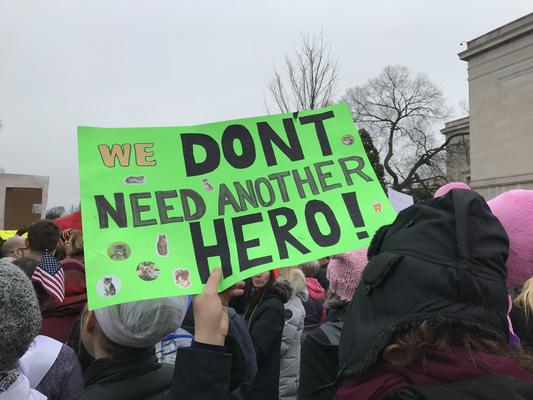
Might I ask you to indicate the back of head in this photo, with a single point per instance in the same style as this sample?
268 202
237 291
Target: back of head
429 341
345 271
76 243
141 324
310 268
28 266
20 314
514 209
450 186
440 261
296 278
43 235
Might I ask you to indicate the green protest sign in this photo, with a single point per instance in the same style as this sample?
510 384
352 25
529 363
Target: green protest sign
162 207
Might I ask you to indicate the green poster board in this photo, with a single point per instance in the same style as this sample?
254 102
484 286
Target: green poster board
161 207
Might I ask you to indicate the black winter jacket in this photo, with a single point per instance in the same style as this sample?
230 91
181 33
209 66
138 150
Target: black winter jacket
135 375
320 362
243 362
266 326
201 375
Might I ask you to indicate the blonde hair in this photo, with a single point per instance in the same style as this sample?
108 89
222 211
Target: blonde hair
295 277
76 243
525 298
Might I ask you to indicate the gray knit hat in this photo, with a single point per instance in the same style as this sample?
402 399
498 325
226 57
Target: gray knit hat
141 324
20 317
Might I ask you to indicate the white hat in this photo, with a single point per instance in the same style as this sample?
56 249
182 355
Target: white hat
141 324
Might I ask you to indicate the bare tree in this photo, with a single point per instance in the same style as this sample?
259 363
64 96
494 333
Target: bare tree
308 80
402 110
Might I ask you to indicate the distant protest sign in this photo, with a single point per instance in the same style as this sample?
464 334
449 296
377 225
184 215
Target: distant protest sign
4 235
162 207
399 201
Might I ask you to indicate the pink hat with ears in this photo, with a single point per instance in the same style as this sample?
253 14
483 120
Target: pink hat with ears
514 209
449 186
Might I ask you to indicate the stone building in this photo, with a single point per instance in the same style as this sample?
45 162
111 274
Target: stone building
500 76
458 150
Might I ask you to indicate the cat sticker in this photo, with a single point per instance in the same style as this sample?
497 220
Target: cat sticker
119 251
162 245
182 278
207 186
148 271
108 286
348 140
135 180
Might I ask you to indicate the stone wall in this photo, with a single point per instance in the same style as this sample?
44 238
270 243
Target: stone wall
500 73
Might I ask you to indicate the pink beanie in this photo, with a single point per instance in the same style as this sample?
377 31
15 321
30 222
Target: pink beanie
449 186
345 272
514 209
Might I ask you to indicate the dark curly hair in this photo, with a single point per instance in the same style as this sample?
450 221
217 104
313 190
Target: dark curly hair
409 346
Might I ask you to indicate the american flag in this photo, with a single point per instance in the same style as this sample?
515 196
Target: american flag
49 273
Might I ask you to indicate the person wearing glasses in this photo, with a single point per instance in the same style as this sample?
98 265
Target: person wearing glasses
14 247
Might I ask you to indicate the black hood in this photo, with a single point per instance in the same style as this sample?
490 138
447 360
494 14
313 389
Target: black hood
443 260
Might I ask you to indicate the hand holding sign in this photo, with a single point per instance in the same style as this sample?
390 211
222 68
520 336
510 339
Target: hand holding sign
211 320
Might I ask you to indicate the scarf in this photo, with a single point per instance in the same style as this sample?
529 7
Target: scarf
7 378
439 368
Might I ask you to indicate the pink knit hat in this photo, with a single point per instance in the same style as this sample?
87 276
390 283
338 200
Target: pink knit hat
449 186
345 272
514 209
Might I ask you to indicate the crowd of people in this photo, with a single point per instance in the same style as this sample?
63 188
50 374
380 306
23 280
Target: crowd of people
438 307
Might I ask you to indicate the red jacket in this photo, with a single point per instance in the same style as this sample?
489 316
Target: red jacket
315 290
58 318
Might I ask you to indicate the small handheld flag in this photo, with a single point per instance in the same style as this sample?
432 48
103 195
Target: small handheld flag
49 273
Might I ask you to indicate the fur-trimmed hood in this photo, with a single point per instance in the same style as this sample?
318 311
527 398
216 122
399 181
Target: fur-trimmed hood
281 289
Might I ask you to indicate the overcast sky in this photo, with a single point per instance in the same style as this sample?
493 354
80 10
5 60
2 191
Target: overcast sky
65 63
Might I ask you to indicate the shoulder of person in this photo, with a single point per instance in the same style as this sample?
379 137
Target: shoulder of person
487 387
67 353
271 303
327 334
